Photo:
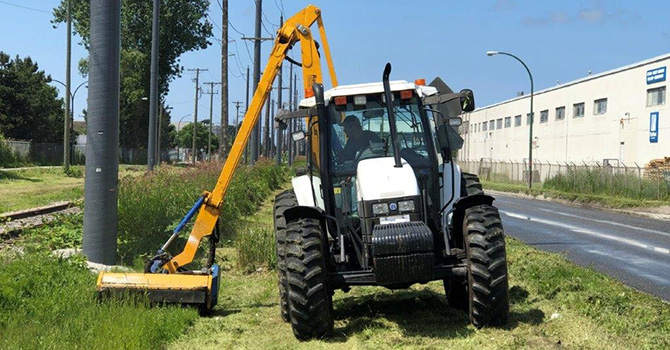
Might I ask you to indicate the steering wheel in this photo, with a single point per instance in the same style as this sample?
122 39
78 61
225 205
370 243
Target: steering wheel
366 152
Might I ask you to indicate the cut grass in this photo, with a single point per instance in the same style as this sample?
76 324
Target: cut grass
554 305
30 188
600 199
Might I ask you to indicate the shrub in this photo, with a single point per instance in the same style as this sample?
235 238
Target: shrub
8 158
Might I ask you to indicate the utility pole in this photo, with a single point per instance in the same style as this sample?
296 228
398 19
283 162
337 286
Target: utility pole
153 90
195 114
68 106
272 134
211 94
296 122
246 152
256 134
266 134
161 109
102 161
289 129
223 147
237 116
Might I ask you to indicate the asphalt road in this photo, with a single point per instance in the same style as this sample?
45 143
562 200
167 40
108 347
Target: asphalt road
632 249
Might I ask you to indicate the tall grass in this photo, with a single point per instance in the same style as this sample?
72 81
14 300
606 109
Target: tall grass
152 205
603 182
50 303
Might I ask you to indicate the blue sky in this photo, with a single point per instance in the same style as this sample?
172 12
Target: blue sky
559 40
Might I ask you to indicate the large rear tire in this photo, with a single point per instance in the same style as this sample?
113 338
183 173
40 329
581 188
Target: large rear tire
487 283
456 288
283 201
310 299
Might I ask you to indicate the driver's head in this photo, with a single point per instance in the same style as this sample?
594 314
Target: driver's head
352 126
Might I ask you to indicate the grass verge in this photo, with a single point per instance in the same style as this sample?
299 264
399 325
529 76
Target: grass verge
607 201
554 305
23 189
49 303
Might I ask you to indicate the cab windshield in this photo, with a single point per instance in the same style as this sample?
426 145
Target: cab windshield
360 130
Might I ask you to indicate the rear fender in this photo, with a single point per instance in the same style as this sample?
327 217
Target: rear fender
303 212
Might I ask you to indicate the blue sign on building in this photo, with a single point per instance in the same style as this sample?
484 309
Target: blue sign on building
653 127
656 75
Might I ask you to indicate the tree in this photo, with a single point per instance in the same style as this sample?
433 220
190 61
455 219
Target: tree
29 108
185 137
183 27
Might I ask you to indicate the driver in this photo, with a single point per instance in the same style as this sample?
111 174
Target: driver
357 138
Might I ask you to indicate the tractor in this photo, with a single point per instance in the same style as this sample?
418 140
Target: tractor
380 202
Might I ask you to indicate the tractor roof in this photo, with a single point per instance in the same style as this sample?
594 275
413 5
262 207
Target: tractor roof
370 88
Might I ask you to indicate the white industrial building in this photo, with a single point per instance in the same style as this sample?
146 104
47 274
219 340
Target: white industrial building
620 116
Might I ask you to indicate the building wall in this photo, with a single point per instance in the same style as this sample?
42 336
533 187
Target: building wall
621 133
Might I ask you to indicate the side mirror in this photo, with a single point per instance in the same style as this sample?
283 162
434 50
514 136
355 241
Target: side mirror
455 121
298 135
467 100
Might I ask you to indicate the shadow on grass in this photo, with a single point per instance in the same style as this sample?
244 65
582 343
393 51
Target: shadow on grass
418 313
12 175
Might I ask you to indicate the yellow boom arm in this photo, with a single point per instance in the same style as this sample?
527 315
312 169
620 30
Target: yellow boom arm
297 28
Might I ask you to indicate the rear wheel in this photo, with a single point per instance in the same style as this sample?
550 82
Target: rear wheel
487 283
283 201
310 300
456 288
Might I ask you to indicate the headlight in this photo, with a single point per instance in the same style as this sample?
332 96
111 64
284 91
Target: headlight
406 206
380 208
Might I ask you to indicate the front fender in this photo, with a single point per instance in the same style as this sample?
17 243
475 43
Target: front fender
470 201
303 211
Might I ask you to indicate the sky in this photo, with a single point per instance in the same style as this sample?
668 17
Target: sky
560 41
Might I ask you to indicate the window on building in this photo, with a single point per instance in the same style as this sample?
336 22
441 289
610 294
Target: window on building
544 116
560 113
527 118
656 96
499 124
600 106
578 110
484 126
508 122
517 120
492 125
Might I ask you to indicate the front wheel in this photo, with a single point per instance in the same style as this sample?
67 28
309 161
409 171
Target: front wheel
310 300
487 283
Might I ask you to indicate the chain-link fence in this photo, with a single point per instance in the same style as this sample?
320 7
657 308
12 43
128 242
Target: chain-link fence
37 153
609 178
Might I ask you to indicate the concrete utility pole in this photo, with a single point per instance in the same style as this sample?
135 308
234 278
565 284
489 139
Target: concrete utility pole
272 134
153 93
102 129
211 94
280 88
256 134
68 106
223 147
195 114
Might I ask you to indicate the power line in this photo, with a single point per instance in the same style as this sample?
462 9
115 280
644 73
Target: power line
280 9
25 7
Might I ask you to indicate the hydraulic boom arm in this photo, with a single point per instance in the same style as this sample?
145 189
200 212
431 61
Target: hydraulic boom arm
297 28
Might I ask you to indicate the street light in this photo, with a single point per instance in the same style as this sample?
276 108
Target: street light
530 136
71 122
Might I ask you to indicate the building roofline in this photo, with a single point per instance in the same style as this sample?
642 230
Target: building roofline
582 80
